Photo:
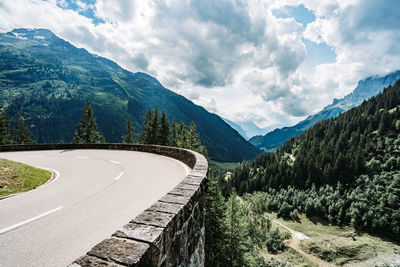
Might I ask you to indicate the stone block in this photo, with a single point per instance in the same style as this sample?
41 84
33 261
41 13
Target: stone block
183 200
140 232
155 218
122 251
88 261
187 187
181 192
172 208
193 180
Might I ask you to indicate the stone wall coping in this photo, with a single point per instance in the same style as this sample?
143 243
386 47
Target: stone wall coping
144 240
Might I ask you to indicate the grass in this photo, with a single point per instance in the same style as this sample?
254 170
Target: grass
224 165
342 246
16 177
289 256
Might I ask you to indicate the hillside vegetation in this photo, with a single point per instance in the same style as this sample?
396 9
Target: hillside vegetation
46 80
346 169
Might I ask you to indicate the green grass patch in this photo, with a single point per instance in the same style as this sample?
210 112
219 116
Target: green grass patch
224 165
17 177
341 245
288 256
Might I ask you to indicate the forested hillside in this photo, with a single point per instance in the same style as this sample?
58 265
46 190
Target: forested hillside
46 80
345 169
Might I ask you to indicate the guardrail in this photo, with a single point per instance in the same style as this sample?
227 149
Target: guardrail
169 233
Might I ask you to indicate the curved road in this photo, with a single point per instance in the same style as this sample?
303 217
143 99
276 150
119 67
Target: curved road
97 192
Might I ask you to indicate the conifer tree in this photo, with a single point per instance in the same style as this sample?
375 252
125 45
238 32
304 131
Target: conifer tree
174 133
129 137
193 137
146 128
181 135
164 130
235 232
22 134
86 131
216 238
5 136
155 128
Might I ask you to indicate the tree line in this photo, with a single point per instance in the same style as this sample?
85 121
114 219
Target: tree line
156 130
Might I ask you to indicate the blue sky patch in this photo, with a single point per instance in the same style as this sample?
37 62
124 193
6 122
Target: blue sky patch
300 13
318 54
83 7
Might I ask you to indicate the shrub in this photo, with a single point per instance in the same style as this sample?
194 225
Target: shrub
274 241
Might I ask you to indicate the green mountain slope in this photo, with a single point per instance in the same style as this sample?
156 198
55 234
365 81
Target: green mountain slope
47 80
345 169
364 90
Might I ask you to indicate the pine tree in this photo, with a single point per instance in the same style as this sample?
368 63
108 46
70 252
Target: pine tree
216 238
164 130
235 232
174 133
203 150
193 137
146 128
5 136
22 134
155 128
86 131
181 135
129 137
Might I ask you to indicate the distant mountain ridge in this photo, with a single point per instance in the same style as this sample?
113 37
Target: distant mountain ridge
248 129
47 80
365 89
237 128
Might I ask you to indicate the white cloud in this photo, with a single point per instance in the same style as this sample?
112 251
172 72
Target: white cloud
232 56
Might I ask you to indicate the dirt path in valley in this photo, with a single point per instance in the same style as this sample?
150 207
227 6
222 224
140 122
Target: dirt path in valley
295 244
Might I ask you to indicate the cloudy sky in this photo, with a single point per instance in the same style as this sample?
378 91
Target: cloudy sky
272 62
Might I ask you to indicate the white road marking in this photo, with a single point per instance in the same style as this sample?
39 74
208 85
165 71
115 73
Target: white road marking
116 162
186 167
119 176
35 156
81 157
56 173
15 226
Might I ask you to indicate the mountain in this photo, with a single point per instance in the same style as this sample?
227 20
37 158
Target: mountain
47 80
237 128
248 129
364 90
345 169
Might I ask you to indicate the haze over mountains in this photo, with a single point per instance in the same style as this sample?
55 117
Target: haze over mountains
365 89
46 80
248 129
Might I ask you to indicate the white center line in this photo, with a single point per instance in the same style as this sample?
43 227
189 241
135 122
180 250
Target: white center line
15 226
119 176
81 157
116 162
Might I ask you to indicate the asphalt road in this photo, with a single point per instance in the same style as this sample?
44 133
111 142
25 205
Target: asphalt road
95 193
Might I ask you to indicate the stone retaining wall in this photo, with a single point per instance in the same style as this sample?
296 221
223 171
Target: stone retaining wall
169 233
